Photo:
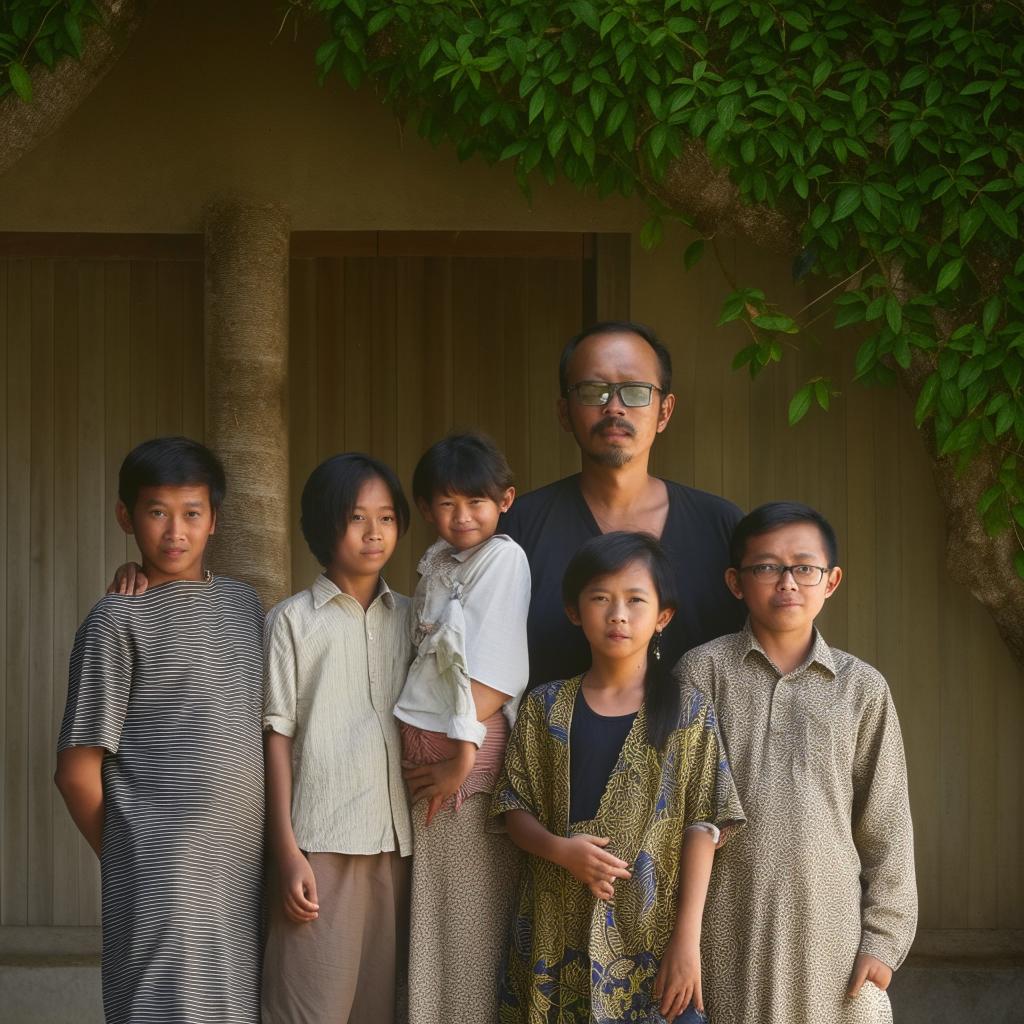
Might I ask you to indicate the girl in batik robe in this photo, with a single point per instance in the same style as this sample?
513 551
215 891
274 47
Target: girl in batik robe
616 785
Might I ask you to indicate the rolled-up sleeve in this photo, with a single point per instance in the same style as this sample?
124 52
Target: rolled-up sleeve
279 675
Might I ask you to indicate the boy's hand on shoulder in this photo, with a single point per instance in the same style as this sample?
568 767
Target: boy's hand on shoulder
298 888
868 968
677 983
587 860
128 579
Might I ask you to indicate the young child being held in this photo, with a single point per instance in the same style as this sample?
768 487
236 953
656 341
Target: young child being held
812 908
336 658
159 756
616 784
469 622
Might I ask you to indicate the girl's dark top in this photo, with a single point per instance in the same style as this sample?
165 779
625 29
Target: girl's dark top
595 742
552 522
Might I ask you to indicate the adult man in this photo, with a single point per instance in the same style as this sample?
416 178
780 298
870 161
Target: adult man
615 382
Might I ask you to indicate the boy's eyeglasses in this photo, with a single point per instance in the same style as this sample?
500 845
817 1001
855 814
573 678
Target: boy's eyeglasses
634 394
768 572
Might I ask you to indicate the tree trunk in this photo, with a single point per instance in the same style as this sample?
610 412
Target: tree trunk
247 389
985 565
57 94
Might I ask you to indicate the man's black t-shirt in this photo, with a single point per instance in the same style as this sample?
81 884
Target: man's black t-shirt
552 522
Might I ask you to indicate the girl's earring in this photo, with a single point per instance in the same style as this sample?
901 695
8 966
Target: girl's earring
656 645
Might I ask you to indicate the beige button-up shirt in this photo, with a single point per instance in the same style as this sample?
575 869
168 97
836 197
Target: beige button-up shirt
332 675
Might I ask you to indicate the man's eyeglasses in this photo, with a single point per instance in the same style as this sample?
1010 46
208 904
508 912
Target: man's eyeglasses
768 572
633 394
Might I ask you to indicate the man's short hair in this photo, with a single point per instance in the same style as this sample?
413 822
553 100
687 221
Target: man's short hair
466 463
771 516
170 462
617 327
331 494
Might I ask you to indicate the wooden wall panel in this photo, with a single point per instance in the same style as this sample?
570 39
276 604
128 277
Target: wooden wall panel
96 356
392 345
388 353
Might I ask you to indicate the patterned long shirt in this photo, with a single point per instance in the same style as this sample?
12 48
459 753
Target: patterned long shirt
825 866
573 958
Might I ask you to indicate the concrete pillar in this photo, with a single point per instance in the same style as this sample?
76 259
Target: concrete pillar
246 319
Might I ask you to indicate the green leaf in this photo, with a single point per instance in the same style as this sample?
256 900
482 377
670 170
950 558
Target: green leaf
949 273
960 437
775 322
727 109
990 314
379 20
821 73
970 220
893 313
799 404
74 31
516 49
1006 222
1018 563
20 81
847 201
651 233
693 253
536 105
616 117
926 399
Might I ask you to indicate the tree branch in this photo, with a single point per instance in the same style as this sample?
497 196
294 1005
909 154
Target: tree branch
58 93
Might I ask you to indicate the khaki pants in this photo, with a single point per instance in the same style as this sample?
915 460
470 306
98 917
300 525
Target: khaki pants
343 967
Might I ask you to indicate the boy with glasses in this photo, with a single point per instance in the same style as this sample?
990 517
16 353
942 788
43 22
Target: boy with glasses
814 905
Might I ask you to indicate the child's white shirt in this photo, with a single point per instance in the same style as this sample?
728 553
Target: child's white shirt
469 622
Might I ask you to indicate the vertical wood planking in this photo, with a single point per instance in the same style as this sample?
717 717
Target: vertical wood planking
40 595
383 389
515 376
16 648
412 354
118 406
94 513
983 782
332 384
545 343
302 404
66 317
915 683
14 880
470 333
360 370
145 360
193 384
6 492
170 363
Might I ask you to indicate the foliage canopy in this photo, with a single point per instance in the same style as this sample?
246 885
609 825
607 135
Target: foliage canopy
39 32
889 136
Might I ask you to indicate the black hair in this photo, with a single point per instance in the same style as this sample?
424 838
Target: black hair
617 327
609 553
170 462
771 516
469 463
331 492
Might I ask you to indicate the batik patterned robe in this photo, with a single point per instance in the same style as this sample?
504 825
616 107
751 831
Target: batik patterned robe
574 958
825 867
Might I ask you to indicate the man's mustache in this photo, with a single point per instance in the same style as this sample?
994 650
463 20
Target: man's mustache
613 423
